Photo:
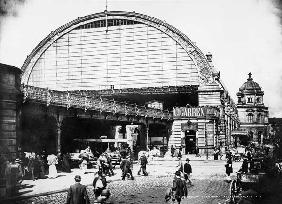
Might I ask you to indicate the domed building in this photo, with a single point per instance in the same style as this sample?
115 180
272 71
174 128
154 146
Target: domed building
252 112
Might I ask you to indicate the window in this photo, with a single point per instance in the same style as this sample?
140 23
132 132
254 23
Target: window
258 100
250 100
250 118
259 118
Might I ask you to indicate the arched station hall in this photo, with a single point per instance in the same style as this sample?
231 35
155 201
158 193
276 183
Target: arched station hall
121 60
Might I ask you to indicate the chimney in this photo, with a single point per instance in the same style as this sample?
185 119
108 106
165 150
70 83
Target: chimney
209 57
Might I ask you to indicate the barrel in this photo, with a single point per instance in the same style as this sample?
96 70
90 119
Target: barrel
10 100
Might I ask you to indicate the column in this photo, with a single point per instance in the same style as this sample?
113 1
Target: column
59 122
147 136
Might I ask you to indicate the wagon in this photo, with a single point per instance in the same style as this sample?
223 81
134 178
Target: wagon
247 183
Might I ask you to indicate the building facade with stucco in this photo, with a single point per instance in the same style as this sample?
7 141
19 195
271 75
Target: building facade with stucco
252 112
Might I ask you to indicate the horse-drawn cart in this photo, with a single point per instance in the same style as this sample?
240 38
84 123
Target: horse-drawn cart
259 182
245 186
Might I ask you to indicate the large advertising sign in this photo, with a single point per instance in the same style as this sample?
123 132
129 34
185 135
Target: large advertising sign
195 112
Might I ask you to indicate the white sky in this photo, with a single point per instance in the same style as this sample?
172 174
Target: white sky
243 35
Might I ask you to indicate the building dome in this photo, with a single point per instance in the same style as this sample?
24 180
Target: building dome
250 86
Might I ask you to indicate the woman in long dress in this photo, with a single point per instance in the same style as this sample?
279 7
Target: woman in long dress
52 161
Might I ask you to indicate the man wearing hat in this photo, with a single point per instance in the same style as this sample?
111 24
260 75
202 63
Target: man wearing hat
187 170
77 193
179 187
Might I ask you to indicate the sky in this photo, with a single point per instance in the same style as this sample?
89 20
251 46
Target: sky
242 35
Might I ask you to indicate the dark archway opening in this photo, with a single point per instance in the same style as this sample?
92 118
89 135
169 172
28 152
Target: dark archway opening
190 141
38 131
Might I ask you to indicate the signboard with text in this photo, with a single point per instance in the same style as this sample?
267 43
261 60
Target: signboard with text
195 112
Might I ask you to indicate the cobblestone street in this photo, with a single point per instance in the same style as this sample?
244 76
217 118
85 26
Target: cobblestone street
149 190
207 177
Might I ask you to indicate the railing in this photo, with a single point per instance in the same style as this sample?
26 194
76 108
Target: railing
86 102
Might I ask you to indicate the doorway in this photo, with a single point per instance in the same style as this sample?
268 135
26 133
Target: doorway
190 141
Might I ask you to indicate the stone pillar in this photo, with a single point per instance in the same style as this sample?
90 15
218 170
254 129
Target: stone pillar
117 127
59 122
10 97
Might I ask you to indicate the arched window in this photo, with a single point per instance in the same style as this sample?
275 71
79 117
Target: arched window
250 118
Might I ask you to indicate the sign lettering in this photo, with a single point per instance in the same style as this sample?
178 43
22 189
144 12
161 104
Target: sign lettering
195 112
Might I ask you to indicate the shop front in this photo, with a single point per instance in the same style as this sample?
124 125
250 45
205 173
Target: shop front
195 128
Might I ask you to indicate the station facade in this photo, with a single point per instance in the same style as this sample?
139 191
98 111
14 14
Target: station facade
135 58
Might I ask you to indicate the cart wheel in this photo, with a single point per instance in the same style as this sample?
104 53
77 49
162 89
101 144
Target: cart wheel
233 191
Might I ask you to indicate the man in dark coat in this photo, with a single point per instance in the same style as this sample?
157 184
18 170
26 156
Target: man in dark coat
125 167
66 163
77 193
172 150
101 192
228 168
179 187
143 163
187 170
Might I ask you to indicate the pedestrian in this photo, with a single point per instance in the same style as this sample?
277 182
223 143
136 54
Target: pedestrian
220 153
32 165
52 161
84 161
41 169
228 168
187 170
101 192
77 193
60 161
9 178
228 154
125 165
143 164
197 152
172 150
18 165
179 187
245 166
179 156
110 163
215 153
66 163
103 163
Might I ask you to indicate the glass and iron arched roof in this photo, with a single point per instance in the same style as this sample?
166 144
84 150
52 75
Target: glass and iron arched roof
115 49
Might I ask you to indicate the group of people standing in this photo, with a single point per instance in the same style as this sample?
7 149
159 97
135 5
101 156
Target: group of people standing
41 166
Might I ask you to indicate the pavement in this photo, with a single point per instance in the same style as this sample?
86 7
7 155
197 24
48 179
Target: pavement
156 167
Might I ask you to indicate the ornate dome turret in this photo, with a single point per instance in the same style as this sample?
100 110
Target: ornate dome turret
250 87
